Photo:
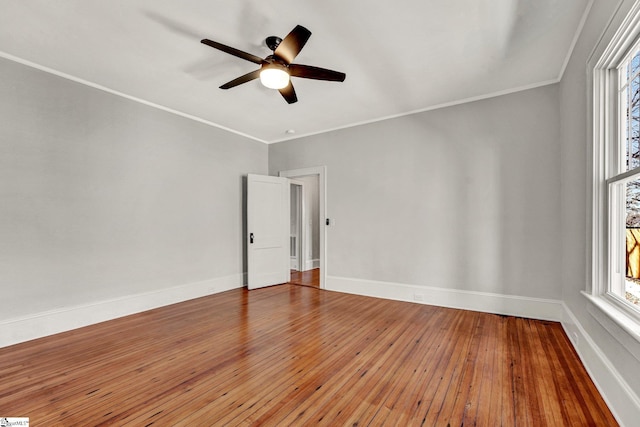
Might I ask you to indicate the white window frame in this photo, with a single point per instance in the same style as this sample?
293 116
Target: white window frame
607 263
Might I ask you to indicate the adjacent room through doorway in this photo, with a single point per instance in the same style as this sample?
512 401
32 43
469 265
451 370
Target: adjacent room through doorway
306 231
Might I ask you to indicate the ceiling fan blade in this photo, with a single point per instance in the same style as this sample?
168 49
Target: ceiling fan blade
317 73
233 51
289 94
242 79
291 45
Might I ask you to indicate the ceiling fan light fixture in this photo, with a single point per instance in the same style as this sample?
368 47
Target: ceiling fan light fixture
274 77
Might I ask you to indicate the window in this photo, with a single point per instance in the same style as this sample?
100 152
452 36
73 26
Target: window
624 185
616 185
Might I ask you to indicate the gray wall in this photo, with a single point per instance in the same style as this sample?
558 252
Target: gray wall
103 197
623 352
466 197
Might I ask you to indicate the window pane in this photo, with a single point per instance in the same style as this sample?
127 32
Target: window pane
635 64
632 126
633 123
632 282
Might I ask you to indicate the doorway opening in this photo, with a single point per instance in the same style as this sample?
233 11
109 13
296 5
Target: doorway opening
297 240
307 231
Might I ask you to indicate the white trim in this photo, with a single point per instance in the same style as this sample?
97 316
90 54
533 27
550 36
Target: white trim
576 37
512 305
124 95
321 171
619 396
627 176
607 29
599 206
422 110
360 123
616 314
17 330
621 41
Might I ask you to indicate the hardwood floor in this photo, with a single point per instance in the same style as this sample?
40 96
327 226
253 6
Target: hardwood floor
295 355
306 278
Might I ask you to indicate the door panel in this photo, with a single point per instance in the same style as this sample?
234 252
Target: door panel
268 230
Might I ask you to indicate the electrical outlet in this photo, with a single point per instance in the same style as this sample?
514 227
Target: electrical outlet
418 297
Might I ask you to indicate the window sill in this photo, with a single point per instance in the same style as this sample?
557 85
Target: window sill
609 313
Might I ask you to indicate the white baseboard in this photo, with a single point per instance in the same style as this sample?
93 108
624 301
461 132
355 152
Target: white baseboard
17 330
621 399
534 308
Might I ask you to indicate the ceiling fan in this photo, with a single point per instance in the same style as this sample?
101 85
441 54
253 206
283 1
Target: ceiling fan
276 70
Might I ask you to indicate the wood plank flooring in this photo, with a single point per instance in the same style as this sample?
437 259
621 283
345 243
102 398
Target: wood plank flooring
306 278
295 355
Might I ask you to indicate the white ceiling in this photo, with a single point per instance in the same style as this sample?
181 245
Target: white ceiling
399 56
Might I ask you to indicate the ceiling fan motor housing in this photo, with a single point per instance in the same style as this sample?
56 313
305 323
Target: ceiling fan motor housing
274 61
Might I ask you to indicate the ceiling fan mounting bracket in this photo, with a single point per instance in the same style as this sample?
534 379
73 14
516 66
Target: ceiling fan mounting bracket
273 42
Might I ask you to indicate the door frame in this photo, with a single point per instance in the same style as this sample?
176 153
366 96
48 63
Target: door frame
321 171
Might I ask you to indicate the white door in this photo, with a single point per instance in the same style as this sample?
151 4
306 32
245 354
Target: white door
267 231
